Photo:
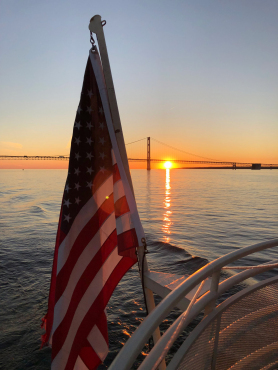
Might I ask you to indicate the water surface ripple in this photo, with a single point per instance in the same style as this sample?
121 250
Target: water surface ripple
189 216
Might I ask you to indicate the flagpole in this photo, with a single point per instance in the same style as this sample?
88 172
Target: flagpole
96 27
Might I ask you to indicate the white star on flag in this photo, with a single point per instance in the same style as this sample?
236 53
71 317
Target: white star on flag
77 200
89 155
79 109
89 125
90 170
101 140
67 203
89 140
100 110
101 125
77 140
102 155
89 184
102 169
90 93
77 156
76 186
77 125
67 218
77 171
89 110
67 188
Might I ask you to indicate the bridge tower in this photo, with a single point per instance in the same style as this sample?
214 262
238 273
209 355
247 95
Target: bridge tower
148 153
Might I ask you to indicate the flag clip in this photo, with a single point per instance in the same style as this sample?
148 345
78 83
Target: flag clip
92 41
143 240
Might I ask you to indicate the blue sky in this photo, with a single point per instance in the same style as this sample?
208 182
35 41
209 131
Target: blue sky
199 75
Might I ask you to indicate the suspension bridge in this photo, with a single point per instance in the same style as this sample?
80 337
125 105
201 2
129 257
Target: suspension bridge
152 151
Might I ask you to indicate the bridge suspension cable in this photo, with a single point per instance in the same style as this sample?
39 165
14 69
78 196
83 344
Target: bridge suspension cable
144 138
183 151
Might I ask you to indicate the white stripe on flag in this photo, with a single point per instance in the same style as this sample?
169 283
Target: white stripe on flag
79 365
85 214
124 223
85 258
60 361
97 341
119 191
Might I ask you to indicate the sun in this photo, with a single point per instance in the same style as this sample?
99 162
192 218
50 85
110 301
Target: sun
168 164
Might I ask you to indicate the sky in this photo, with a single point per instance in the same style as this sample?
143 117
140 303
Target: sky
200 75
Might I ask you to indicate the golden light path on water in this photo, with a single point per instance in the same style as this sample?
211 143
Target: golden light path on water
167 205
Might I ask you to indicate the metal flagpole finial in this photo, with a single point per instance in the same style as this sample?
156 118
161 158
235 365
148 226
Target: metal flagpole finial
95 21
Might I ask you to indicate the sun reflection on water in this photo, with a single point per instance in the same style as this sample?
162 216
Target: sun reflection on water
167 205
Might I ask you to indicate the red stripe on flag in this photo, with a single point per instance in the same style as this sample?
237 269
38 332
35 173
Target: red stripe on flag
87 354
127 241
89 357
85 236
87 277
102 325
97 309
121 207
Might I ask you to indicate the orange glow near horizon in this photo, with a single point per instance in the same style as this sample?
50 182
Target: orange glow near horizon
33 165
53 165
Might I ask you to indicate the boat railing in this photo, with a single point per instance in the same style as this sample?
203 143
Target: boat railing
199 303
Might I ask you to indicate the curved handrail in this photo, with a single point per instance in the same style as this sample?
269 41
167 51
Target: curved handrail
175 332
220 308
151 360
133 346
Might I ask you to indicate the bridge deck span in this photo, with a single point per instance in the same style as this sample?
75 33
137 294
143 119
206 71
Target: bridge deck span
222 164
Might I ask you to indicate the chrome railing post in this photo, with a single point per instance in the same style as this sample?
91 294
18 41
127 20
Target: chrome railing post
156 334
214 289
216 338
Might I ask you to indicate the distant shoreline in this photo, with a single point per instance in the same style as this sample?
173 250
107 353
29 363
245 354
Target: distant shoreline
163 169
226 168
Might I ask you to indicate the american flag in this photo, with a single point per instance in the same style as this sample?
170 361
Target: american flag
98 233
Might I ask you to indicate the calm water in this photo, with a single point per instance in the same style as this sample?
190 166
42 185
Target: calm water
189 216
